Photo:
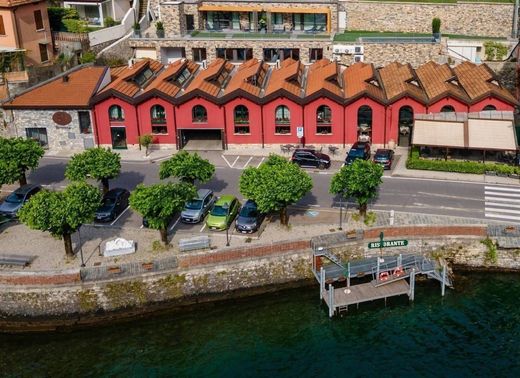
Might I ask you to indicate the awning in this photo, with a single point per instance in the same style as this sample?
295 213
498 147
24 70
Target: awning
490 134
438 134
297 10
476 134
229 8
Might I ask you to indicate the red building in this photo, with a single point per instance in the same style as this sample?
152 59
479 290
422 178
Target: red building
223 105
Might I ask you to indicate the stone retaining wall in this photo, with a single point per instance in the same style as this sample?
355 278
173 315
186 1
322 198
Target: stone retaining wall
481 19
202 276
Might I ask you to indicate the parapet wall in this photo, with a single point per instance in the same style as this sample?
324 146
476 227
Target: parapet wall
478 19
52 299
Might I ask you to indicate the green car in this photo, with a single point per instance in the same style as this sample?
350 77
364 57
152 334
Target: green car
223 212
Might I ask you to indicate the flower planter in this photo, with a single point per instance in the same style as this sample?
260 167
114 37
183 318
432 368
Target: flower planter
114 269
147 266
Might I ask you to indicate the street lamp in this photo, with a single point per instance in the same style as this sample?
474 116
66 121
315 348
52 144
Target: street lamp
340 213
227 236
81 248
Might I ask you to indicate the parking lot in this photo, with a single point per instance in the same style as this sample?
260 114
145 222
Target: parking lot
244 161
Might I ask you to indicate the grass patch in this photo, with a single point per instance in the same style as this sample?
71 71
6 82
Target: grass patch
416 162
200 34
158 247
313 36
461 36
353 35
491 253
370 218
261 36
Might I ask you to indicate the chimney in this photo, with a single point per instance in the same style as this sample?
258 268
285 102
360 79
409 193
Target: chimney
130 63
65 78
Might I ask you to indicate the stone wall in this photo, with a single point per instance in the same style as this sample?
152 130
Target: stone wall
59 137
482 19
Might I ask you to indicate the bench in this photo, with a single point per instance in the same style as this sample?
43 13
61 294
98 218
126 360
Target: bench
199 242
16 260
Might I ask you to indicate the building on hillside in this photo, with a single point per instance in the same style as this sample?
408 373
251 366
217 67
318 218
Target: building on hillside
96 12
57 112
24 25
227 106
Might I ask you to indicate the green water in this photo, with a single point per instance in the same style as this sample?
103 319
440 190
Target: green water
473 331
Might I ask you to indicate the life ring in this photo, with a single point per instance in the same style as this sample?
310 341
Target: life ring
398 271
383 276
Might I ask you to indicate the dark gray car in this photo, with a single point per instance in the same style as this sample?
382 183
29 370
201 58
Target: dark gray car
196 210
249 219
14 201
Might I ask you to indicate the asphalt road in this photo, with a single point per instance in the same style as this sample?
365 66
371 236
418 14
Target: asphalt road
400 194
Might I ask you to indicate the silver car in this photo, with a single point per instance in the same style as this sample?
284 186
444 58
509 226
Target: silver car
196 209
14 201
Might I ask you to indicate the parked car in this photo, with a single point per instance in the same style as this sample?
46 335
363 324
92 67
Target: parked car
14 201
384 157
359 150
114 202
196 210
223 213
305 157
249 218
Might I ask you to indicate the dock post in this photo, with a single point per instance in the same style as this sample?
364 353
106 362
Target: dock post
399 260
331 301
348 274
443 287
377 269
322 282
412 285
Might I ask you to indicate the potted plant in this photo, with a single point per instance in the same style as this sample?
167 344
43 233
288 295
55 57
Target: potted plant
436 28
159 28
137 30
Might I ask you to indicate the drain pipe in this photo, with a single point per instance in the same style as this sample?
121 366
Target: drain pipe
515 20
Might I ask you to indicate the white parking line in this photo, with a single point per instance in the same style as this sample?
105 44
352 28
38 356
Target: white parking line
122 212
175 224
244 167
501 188
203 227
233 165
227 162
261 161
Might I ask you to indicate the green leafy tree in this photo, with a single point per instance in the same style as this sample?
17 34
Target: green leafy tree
276 184
187 167
62 213
146 141
359 180
98 163
17 155
158 203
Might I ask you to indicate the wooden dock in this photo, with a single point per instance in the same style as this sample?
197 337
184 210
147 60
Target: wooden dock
367 292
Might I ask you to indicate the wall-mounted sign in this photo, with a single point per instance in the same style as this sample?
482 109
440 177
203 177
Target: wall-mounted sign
299 131
388 243
62 118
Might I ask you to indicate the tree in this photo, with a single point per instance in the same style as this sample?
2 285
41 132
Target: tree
145 141
17 155
158 203
360 180
187 167
276 184
98 163
62 213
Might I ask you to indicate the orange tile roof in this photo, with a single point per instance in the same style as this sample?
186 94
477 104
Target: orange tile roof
324 74
250 77
357 80
437 81
287 77
398 79
122 77
16 3
477 81
76 92
212 79
165 81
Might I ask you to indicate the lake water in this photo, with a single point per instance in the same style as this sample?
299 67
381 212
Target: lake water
473 331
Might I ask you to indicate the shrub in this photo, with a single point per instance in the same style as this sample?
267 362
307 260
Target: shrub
415 162
57 15
75 26
87 57
495 50
436 25
109 22
159 25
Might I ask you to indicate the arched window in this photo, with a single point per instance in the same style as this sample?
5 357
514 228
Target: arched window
448 109
158 114
241 117
323 120
489 108
116 113
364 116
405 116
282 120
199 114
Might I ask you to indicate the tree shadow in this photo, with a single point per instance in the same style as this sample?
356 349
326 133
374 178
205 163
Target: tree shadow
308 199
215 184
47 174
127 179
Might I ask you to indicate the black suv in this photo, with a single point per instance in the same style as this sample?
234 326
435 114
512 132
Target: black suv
359 150
310 158
114 202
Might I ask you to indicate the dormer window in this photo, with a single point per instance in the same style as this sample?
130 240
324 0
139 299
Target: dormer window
374 82
414 82
453 81
494 82
142 77
183 77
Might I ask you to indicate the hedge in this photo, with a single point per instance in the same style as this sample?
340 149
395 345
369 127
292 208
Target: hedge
415 162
